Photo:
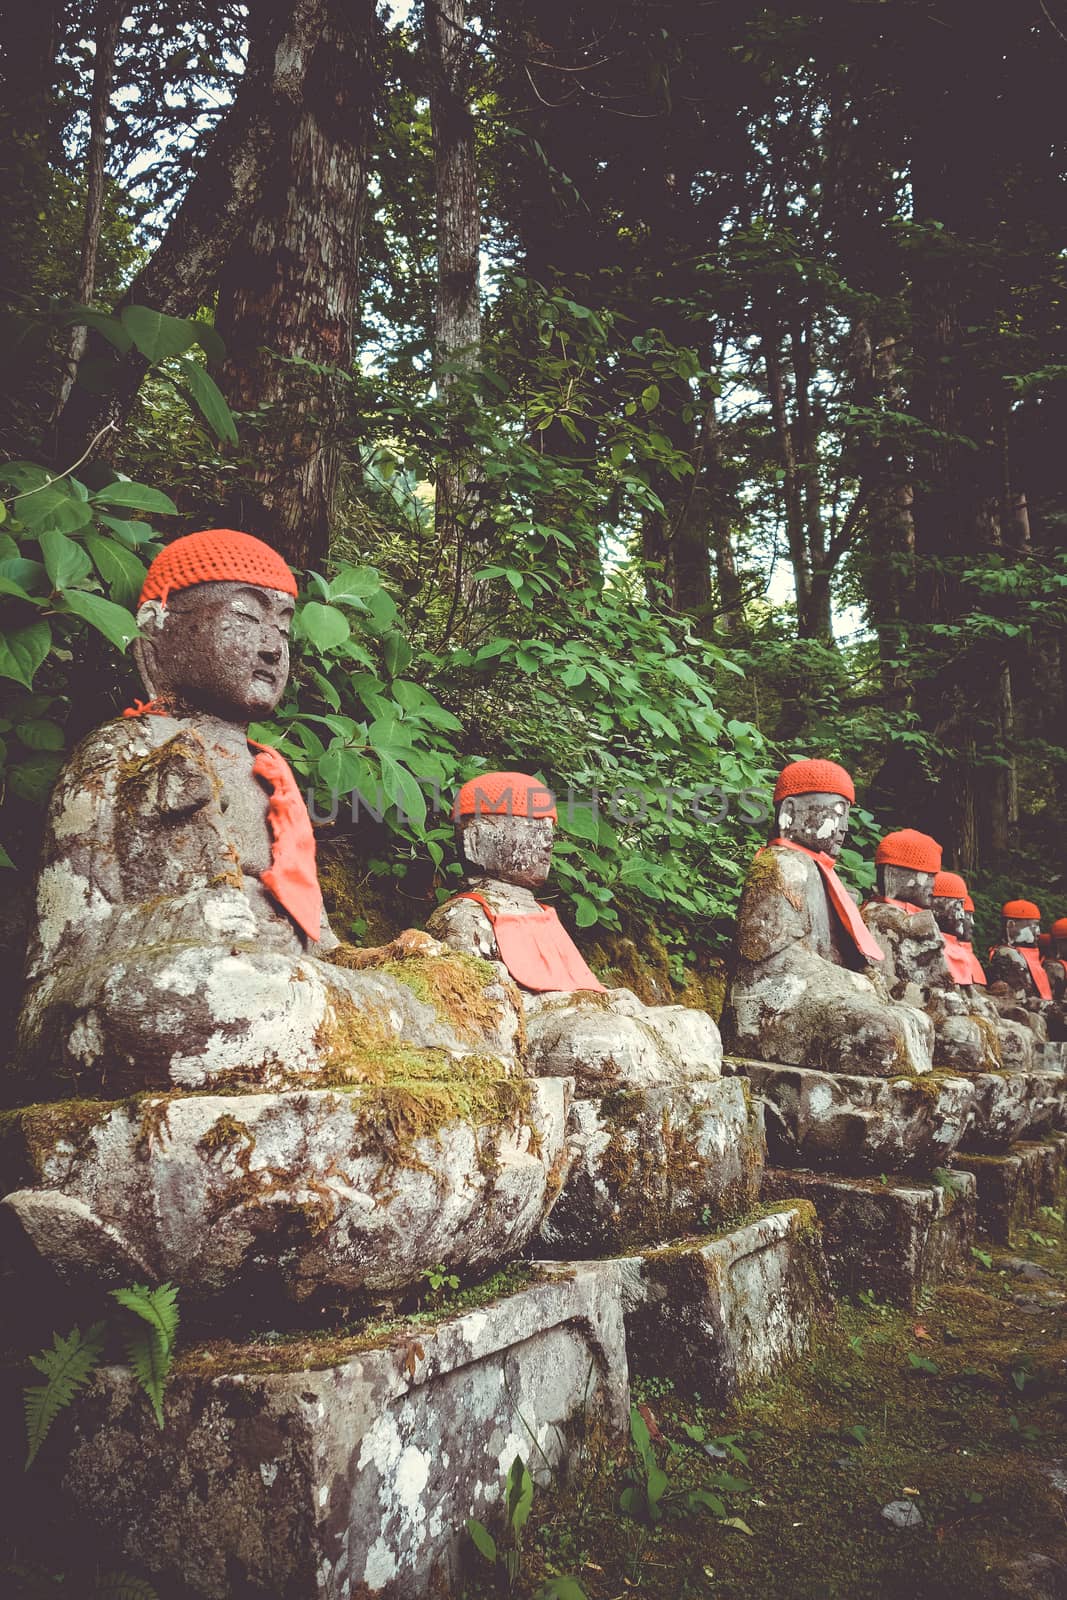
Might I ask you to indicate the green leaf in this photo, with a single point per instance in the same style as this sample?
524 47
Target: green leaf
114 622
402 789
520 1492
581 822
737 1524
5 859
39 734
132 534
9 586
354 583
561 1589
54 507
27 574
65 561
32 779
650 397
22 650
120 569
324 626
122 1586
210 342
209 398
136 497
397 654
158 336
150 1348
67 1367
483 1540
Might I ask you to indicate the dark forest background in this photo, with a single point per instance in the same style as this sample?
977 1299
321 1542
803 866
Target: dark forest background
649 392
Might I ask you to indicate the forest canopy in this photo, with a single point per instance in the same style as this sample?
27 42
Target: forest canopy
647 393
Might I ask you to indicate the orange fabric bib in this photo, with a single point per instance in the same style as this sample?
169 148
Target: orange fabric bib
537 950
842 902
977 970
291 878
959 958
1037 972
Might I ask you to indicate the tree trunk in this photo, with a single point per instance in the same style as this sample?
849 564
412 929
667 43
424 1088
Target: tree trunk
109 15
288 294
180 275
791 486
818 623
458 321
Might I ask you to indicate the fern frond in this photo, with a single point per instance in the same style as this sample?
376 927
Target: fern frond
150 1348
122 1586
158 1307
67 1367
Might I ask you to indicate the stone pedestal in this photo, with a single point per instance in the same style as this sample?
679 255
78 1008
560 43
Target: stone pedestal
715 1315
1011 1188
648 1164
307 1470
839 1123
895 1239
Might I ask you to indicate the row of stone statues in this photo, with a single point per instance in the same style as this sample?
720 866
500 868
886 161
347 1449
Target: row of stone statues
181 948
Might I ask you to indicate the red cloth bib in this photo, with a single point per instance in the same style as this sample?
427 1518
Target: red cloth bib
291 877
537 949
977 970
1037 971
901 905
842 902
960 959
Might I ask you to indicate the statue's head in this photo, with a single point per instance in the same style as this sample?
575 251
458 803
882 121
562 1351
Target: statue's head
968 918
949 895
214 615
1022 922
506 822
907 863
812 802
1059 938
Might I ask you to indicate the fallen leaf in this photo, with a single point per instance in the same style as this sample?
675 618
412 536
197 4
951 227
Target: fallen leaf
650 1422
920 1331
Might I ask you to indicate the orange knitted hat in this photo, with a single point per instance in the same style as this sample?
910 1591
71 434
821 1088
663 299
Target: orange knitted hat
814 777
1059 928
505 794
1020 911
218 555
968 903
907 848
950 886
1044 942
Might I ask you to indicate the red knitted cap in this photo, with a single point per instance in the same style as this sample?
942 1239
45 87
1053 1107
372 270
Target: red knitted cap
1059 928
1044 941
950 886
814 777
907 848
218 555
968 903
1020 911
505 794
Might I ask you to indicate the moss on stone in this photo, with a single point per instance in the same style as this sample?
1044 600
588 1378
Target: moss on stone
455 986
30 1135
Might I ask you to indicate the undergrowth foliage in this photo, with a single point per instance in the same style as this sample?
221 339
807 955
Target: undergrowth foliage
148 1333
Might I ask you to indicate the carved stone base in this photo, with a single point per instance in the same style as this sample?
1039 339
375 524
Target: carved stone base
894 1238
857 1125
1013 1187
652 1163
287 1470
716 1315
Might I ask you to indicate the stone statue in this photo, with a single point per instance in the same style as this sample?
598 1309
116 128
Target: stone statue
180 939
1015 961
1056 962
604 1038
327 1122
1013 1047
806 985
978 977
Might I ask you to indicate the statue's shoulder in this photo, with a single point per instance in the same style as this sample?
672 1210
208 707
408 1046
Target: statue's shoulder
124 738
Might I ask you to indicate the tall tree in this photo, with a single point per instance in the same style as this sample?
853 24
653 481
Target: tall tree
288 291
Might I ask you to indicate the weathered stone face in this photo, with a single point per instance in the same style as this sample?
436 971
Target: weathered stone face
907 884
816 821
515 850
968 927
800 992
950 916
219 647
1019 930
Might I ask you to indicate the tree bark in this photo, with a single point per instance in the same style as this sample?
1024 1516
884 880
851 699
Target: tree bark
288 294
458 319
109 15
180 275
791 485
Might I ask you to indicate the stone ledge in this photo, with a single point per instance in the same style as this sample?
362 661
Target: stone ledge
716 1315
1013 1187
356 1476
896 1238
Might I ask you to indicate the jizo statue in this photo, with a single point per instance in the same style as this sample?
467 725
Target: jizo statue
806 986
180 938
1014 1041
1056 962
506 823
1015 961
